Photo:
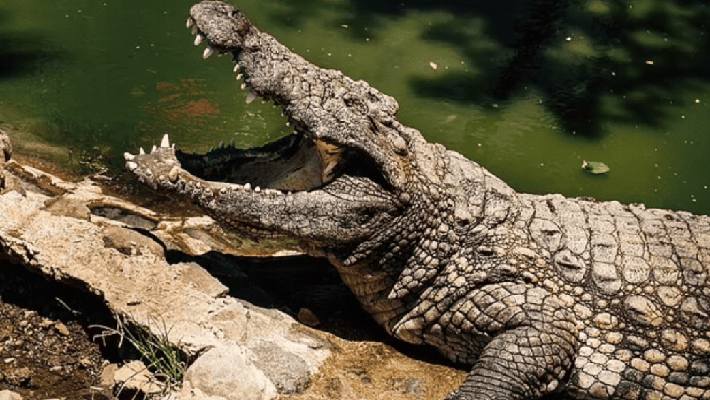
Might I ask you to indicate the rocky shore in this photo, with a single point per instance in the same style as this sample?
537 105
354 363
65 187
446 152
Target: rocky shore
161 305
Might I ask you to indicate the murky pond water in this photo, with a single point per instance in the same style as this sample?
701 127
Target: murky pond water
529 89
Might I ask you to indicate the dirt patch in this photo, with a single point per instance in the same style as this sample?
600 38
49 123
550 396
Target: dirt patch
45 358
370 370
45 350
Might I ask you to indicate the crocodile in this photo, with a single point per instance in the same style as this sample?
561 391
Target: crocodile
539 294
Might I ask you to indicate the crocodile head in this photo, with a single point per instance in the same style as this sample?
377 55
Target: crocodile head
333 185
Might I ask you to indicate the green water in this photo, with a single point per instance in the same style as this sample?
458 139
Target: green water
528 89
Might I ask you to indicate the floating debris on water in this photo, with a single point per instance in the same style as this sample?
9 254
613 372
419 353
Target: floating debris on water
697 101
595 167
433 65
649 62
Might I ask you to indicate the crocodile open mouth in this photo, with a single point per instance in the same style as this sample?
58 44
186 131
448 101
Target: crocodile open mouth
297 162
293 163
344 133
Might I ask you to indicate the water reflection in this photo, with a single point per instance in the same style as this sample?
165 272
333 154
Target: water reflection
591 61
21 54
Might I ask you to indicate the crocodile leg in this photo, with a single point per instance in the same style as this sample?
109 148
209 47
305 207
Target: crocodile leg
533 342
497 376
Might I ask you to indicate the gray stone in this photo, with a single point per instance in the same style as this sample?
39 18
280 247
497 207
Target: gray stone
228 372
287 371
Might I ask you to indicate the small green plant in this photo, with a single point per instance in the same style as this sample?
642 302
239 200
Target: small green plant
166 362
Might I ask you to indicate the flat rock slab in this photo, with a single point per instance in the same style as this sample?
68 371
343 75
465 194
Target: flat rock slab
48 226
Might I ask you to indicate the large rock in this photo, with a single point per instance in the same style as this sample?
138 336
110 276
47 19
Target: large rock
228 373
52 227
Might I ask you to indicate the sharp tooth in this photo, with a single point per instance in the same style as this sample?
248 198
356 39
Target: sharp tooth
329 169
172 146
153 149
257 189
189 23
128 156
208 52
239 76
247 186
141 151
251 96
236 68
131 166
165 142
243 86
194 30
198 39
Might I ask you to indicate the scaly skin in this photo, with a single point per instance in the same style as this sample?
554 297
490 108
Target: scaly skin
540 294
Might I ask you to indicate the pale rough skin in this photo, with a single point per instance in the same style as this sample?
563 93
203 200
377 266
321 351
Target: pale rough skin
539 294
